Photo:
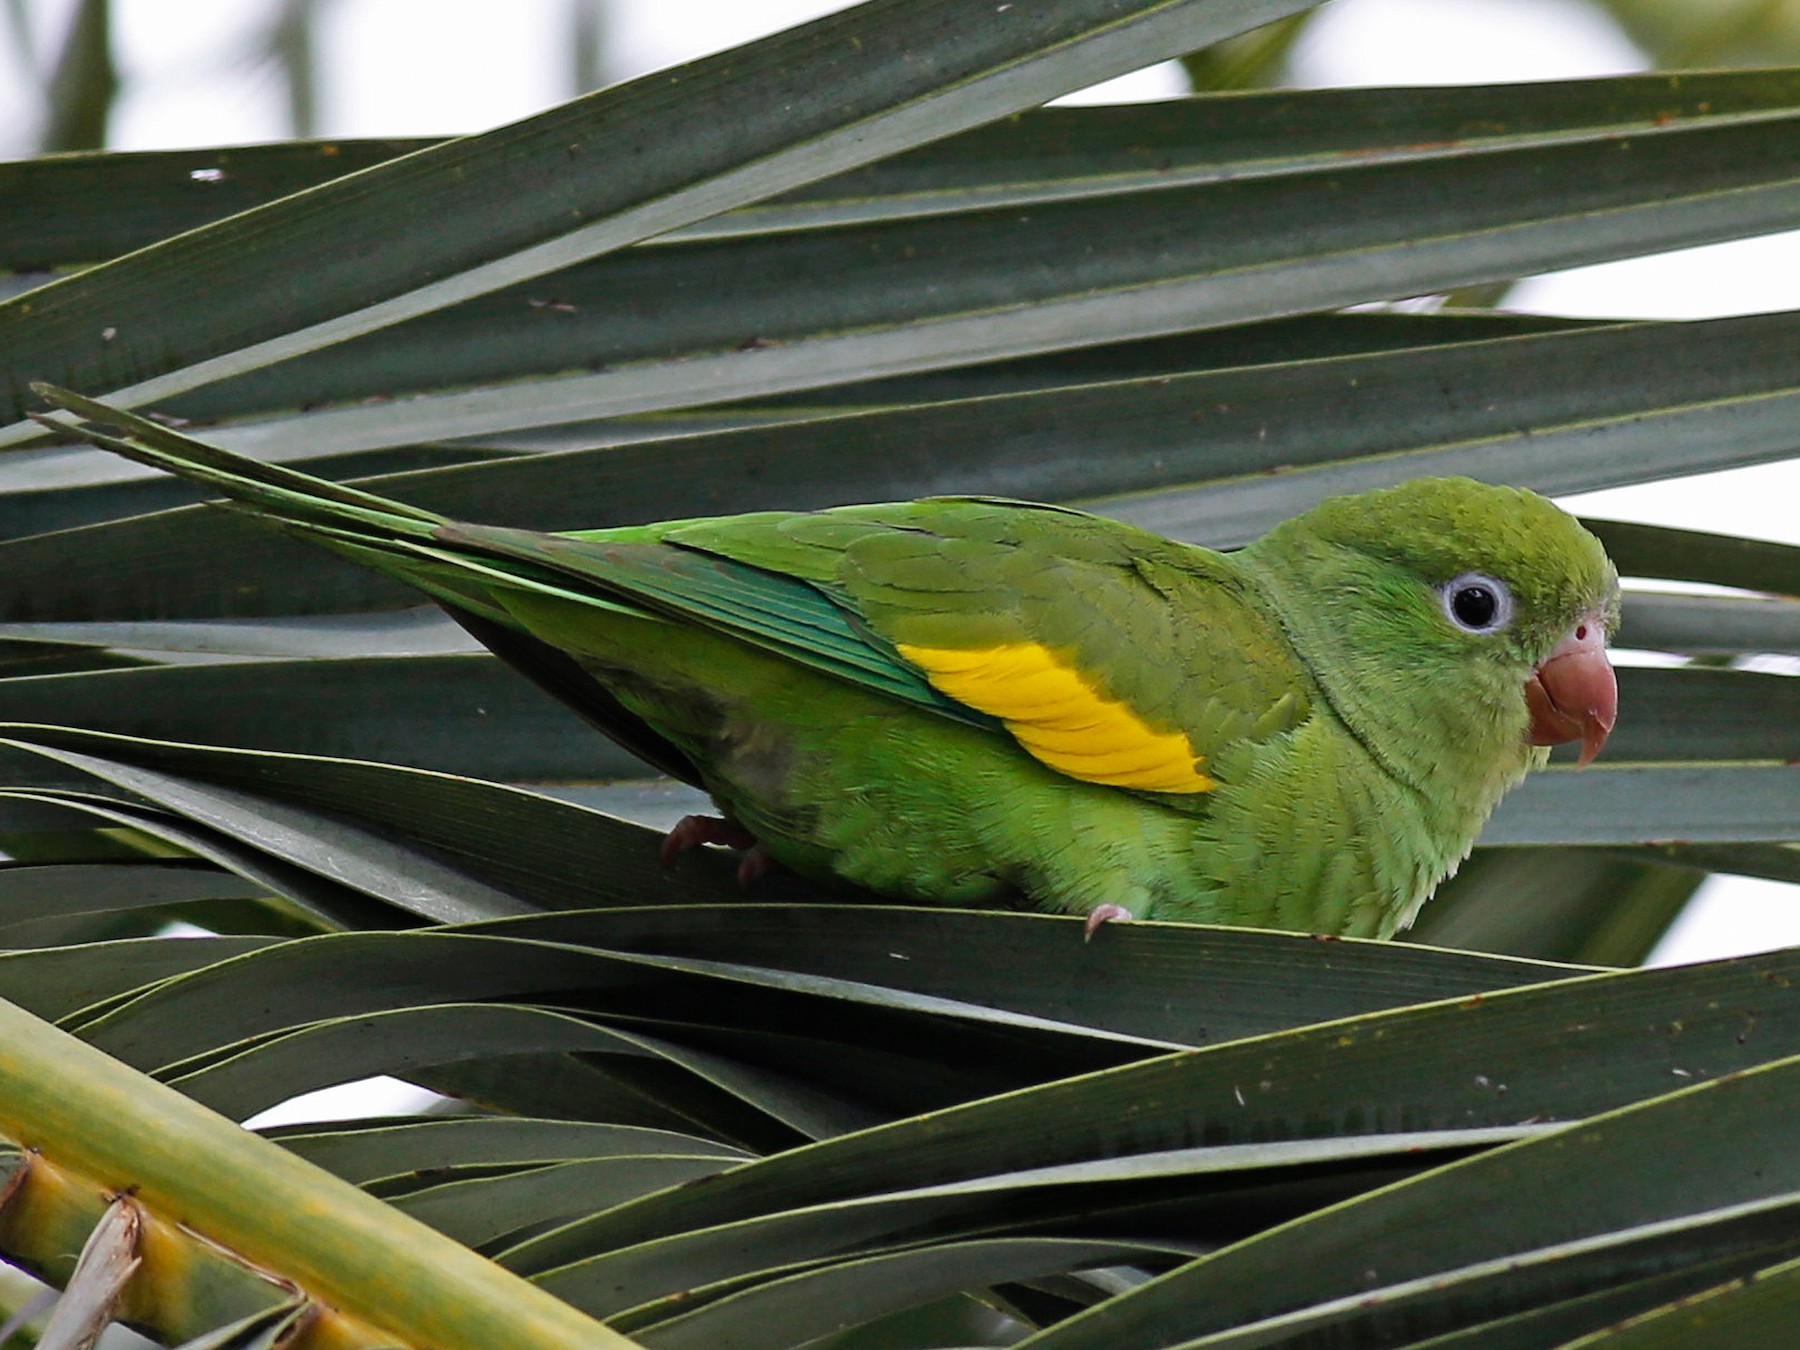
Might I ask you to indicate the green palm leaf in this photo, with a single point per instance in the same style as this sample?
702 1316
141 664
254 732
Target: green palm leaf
789 275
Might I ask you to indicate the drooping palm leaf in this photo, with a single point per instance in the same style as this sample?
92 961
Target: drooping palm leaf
756 1121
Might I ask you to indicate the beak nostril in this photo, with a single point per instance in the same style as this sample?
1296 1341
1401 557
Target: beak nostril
1573 695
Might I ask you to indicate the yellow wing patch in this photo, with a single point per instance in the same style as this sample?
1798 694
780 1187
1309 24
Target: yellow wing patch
1057 714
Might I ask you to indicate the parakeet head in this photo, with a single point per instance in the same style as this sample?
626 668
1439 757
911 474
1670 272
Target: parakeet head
1482 609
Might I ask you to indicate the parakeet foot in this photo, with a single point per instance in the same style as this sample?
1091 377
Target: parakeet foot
1100 914
692 831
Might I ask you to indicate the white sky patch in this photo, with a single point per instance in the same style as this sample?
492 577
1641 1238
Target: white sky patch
397 68
198 81
1748 915
382 1096
1745 276
1151 84
1353 42
1761 501
650 34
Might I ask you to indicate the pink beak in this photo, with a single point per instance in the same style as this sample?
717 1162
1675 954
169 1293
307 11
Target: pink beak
1573 695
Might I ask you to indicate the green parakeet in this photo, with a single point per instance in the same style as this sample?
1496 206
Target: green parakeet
973 701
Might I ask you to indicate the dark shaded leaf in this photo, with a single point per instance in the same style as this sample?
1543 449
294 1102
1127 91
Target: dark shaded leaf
1645 1164
296 274
1507 1060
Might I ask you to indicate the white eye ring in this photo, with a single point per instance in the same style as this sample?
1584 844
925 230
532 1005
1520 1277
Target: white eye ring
1477 603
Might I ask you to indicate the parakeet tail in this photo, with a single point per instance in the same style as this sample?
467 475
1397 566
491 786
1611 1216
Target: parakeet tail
272 490
386 535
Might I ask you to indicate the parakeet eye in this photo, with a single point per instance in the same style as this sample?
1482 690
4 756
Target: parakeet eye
1477 603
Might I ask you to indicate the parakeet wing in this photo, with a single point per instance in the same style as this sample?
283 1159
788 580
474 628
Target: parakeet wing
1111 654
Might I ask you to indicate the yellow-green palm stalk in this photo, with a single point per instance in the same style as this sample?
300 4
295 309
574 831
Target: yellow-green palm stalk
217 1200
